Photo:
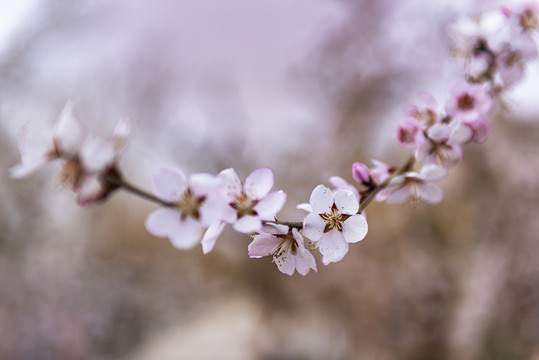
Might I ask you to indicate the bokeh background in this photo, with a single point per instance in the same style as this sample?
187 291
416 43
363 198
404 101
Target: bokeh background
305 87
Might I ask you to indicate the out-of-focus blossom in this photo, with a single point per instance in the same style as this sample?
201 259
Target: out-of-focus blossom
410 133
340 184
415 186
184 221
361 174
287 247
39 145
426 114
253 202
468 101
334 222
443 146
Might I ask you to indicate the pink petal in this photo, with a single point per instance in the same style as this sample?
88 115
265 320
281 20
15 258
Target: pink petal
313 226
286 264
69 133
340 184
90 191
439 132
210 236
232 183
270 205
275 229
355 228
304 261
162 222
188 234
214 209
399 196
168 184
263 245
430 193
203 184
304 207
321 199
433 173
247 224
259 183
346 202
333 246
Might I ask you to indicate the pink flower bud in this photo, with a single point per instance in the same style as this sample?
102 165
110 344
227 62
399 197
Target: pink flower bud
361 173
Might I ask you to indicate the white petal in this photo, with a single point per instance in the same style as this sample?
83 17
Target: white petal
232 183
304 207
304 261
259 183
433 172
333 246
162 222
188 234
215 209
270 205
22 170
346 202
121 133
341 184
247 224
430 193
203 184
168 184
275 229
90 190
263 245
321 199
69 133
211 235
96 154
313 226
399 196
286 264
355 228
439 132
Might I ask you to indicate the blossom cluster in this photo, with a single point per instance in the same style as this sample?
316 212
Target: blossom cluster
195 209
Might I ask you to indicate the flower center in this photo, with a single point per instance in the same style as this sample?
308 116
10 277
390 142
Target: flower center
334 219
244 205
286 247
189 204
466 102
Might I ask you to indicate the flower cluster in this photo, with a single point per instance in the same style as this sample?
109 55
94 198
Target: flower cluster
88 163
196 209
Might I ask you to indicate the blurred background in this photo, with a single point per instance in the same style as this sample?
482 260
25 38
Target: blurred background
306 88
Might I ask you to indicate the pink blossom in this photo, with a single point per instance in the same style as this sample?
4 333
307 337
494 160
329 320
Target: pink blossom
443 146
416 186
410 133
287 247
361 174
191 209
468 101
334 222
252 203
425 115
340 184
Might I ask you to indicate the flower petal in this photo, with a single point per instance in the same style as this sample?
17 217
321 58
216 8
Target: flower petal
304 207
162 222
430 193
96 154
203 184
188 234
232 183
121 133
169 184
211 235
263 245
432 172
24 169
259 183
69 133
247 224
321 199
270 205
286 264
333 246
313 226
355 228
346 202
304 261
